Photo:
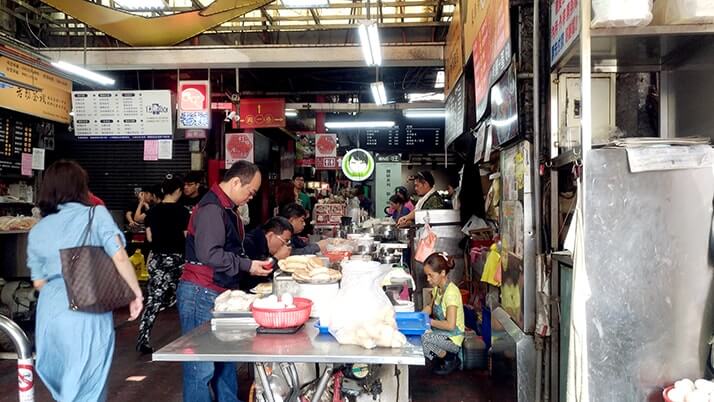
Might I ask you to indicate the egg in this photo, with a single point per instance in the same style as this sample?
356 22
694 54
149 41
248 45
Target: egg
704 385
676 394
685 384
287 298
696 396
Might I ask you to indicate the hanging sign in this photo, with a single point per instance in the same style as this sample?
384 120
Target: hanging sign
122 115
564 27
455 112
358 165
326 151
454 57
492 49
262 112
51 101
239 147
194 104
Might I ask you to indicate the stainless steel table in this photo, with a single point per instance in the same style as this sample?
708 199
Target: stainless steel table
240 343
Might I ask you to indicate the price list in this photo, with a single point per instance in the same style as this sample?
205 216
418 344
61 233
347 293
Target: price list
382 138
423 138
15 139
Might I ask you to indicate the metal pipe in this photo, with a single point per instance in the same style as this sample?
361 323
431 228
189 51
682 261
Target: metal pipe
535 166
289 379
322 385
25 364
263 376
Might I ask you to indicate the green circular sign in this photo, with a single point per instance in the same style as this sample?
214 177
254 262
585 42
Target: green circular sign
358 165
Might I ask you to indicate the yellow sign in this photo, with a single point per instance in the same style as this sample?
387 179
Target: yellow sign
474 13
51 102
454 52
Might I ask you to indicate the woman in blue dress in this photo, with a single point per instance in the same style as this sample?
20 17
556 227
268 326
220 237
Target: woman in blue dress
74 349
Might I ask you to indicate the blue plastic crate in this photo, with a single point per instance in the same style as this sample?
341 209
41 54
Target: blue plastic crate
410 324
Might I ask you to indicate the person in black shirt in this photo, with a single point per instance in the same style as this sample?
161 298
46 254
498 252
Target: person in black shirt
193 189
147 197
166 225
296 215
270 240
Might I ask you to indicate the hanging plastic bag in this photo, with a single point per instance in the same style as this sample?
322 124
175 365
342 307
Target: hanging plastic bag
492 273
621 13
361 313
427 244
684 12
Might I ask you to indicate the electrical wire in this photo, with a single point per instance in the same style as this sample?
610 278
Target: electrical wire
27 21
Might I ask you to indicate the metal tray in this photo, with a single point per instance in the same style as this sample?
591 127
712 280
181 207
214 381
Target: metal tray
231 314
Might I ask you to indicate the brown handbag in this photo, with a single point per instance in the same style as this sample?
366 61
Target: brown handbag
93 283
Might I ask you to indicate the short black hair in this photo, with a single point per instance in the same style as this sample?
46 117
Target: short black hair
293 210
64 181
427 177
194 176
171 184
298 175
154 189
397 199
277 225
243 170
401 190
454 180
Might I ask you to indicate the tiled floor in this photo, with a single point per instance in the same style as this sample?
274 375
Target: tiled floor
162 381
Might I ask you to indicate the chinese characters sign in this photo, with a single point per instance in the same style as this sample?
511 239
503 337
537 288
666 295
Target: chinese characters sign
262 112
194 104
326 151
564 27
492 49
51 102
454 59
117 115
239 147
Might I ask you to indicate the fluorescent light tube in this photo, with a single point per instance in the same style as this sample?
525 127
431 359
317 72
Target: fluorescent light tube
440 79
425 97
84 73
360 124
424 113
141 4
291 113
379 94
370 43
305 3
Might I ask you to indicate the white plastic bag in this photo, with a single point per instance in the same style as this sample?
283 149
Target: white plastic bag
621 13
684 12
361 314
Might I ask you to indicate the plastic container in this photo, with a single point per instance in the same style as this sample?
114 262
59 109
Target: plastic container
410 324
684 12
283 318
621 13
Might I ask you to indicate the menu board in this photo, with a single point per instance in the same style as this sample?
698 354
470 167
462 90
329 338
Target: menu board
455 111
16 137
416 136
117 115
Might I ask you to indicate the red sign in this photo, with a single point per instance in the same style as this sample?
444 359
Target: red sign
221 106
194 101
492 51
195 134
326 151
262 112
239 147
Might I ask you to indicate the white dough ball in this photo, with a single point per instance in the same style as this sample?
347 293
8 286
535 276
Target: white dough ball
685 384
704 385
287 298
696 396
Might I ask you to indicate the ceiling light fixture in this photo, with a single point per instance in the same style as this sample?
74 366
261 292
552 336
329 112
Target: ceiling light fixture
379 94
305 3
440 79
84 73
425 97
359 124
369 40
291 113
141 4
424 113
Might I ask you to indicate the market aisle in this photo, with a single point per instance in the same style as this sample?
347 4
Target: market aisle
163 380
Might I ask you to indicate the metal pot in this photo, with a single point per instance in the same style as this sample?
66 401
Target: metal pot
367 248
390 259
403 234
388 233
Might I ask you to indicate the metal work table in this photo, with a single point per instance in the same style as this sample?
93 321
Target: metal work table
240 343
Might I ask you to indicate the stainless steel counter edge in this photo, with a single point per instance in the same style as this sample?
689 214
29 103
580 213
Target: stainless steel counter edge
252 358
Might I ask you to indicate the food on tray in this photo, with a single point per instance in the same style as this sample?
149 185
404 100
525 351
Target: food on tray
317 275
381 331
233 301
12 223
687 391
273 303
300 263
265 288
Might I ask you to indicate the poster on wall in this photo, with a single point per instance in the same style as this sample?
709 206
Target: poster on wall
326 151
122 115
262 112
52 99
194 104
564 27
305 149
492 50
239 147
388 176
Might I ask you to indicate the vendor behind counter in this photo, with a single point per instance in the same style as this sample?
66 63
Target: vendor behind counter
271 239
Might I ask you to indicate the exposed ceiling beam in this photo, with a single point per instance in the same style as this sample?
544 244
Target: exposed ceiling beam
266 17
273 56
315 16
361 107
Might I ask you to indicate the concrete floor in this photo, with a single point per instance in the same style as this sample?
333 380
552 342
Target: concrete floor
162 381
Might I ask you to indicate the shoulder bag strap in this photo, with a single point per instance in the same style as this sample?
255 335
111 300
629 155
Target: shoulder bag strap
88 229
